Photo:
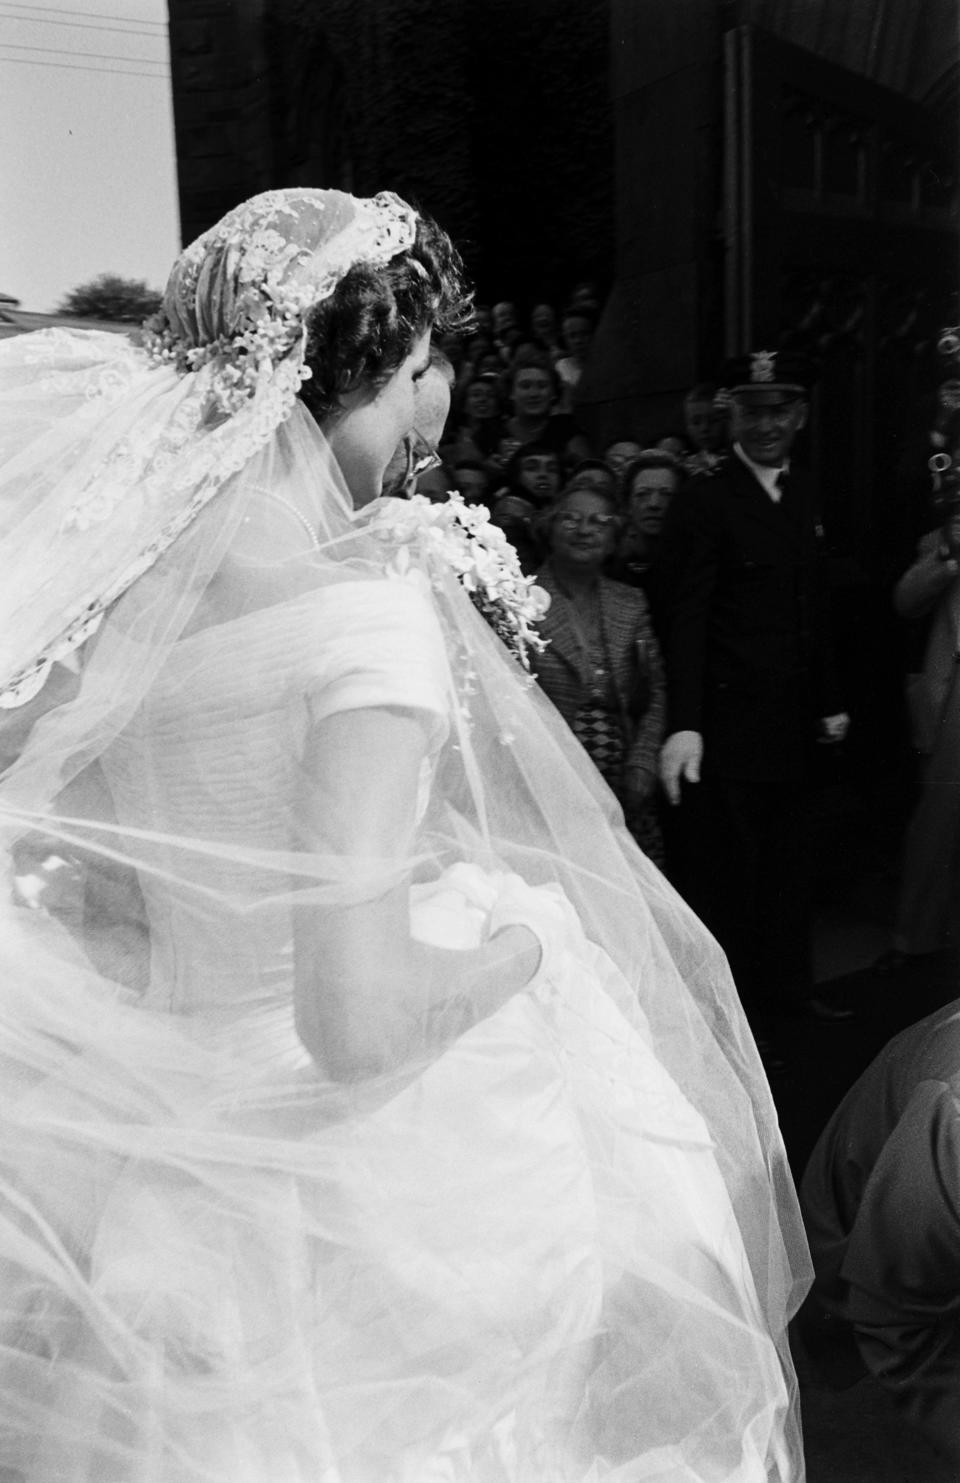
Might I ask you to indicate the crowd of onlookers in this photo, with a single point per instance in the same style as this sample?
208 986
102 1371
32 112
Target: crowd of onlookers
586 520
512 440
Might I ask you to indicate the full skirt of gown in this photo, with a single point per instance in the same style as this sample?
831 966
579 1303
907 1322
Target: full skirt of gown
523 1267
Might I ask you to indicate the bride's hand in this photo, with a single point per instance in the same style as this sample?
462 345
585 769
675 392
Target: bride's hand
489 977
519 953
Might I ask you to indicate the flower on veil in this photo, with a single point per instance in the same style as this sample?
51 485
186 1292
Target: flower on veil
478 552
266 321
240 360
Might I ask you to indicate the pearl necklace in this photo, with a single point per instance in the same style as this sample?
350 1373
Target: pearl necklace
289 505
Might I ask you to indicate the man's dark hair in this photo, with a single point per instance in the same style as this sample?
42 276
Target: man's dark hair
534 360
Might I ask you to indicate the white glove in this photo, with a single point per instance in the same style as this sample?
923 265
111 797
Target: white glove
680 759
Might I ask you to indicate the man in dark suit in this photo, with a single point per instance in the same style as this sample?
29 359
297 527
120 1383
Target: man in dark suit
749 687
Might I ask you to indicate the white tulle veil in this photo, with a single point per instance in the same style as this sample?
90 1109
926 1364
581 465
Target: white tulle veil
169 510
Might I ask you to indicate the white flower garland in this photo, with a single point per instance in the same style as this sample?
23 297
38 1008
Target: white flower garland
484 561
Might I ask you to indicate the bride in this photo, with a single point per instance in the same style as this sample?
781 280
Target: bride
373 1111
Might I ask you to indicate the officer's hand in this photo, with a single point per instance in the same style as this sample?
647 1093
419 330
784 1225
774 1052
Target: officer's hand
680 759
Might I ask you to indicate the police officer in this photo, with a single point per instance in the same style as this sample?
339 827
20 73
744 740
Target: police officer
750 687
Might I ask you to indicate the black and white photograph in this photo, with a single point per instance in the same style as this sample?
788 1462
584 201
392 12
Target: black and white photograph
480 741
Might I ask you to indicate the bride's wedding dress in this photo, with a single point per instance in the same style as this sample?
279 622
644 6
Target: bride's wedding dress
520 1264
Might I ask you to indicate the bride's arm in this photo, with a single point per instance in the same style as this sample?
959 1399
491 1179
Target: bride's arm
368 997
16 724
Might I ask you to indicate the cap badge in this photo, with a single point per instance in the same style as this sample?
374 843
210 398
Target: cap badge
763 365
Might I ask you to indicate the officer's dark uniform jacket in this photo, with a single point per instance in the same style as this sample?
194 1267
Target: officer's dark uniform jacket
747 655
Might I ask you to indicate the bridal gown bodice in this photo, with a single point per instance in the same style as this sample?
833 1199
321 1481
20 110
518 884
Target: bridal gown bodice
215 755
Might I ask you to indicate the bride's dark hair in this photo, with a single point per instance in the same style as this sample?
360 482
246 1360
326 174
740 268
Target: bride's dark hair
366 329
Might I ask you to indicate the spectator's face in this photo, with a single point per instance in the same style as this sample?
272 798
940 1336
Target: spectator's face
584 296
650 495
481 400
765 424
504 318
584 530
532 392
576 335
539 473
618 455
472 484
704 424
673 445
513 516
543 321
602 479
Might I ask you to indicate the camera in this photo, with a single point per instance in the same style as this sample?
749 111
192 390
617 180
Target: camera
946 498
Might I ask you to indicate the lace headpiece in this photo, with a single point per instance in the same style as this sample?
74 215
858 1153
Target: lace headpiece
146 435
237 297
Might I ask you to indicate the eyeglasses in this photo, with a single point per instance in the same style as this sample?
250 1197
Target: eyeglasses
421 457
592 522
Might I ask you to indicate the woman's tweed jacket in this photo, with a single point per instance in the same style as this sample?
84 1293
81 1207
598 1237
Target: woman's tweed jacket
635 664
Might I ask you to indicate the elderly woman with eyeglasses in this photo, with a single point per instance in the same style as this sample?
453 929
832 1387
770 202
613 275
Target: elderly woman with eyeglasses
602 667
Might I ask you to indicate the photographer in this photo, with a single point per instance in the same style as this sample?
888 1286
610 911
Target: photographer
927 905
880 1203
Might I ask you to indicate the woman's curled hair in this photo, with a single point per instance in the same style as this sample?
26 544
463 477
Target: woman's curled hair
367 328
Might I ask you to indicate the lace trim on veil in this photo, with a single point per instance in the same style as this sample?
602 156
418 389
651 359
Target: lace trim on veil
196 480
246 381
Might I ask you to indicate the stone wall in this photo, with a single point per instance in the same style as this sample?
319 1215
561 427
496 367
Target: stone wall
494 115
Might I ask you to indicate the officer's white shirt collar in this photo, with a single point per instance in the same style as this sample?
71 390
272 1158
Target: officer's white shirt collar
764 474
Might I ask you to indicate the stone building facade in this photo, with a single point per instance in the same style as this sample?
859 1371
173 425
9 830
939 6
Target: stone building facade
495 117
